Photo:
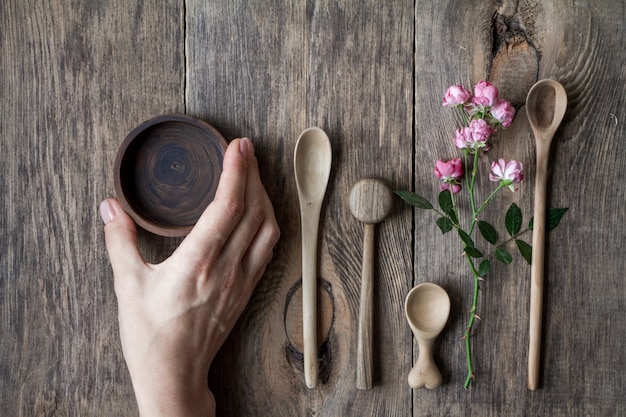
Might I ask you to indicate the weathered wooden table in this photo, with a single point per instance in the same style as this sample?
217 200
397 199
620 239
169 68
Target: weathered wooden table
76 77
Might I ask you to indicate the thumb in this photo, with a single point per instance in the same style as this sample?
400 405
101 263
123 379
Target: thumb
121 239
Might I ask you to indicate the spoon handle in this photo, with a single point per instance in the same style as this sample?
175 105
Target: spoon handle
537 265
366 307
425 373
310 226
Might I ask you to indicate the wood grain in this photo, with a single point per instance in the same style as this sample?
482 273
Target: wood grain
76 77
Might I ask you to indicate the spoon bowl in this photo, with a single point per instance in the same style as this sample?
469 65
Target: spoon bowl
545 106
427 307
312 162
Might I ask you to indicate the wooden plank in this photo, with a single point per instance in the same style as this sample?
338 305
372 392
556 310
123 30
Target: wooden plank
269 70
584 295
75 79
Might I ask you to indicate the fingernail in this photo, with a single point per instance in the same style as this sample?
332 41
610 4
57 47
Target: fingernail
246 147
106 211
250 146
243 147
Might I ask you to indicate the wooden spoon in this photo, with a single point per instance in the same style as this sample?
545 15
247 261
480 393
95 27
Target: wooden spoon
312 161
545 106
370 203
427 308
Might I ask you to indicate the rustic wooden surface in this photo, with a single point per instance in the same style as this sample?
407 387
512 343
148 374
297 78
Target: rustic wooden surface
76 77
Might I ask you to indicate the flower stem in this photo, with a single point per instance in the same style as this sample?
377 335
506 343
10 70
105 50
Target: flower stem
493 193
463 115
470 325
472 198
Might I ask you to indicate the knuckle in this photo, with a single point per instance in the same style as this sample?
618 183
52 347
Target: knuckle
256 213
274 233
233 208
230 279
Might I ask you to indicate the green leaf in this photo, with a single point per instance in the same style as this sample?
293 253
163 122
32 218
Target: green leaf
503 256
467 239
525 249
513 219
484 267
554 216
445 202
415 200
445 224
488 232
453 217
473 252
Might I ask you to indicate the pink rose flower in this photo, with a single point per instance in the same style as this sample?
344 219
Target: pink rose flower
456 95
449 172
480 130
474 137
463 138
485 94
503 112
508 173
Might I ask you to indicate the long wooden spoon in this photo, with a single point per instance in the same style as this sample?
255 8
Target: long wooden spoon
312 161
545 106
370 202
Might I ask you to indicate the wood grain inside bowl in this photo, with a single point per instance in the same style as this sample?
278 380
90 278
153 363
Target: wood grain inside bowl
167 171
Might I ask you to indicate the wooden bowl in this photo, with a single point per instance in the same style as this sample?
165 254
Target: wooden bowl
166 172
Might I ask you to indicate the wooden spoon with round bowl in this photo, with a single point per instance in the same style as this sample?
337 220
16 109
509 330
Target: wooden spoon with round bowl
427 308
370 202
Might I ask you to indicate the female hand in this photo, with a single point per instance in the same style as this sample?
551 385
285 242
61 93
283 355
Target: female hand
174 316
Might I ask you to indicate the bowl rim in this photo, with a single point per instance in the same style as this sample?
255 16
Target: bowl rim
142 221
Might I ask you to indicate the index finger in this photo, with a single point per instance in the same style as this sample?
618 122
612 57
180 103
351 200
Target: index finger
219 219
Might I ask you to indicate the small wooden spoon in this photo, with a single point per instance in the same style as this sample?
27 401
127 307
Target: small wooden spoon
427 308
370 202
545 106
312 161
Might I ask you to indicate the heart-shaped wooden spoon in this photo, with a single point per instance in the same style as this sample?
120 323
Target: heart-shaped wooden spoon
427 308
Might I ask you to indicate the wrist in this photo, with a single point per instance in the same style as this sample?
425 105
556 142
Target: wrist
179 402
173 392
